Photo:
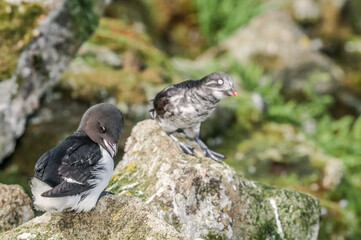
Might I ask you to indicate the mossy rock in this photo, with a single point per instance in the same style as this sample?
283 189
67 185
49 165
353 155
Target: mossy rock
113 218
17 22
207 199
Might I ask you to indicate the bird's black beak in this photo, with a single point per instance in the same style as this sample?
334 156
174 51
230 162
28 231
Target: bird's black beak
112 148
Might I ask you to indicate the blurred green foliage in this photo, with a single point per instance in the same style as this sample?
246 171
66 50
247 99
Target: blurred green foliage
336 137
219 18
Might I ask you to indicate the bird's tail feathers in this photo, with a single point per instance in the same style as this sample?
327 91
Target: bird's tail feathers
49 204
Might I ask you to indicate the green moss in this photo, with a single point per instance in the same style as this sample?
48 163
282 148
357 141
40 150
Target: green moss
101 83
84 19
215 236
126 177
268 230
16 24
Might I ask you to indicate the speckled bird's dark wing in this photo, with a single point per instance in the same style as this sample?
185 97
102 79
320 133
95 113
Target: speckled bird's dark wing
162 100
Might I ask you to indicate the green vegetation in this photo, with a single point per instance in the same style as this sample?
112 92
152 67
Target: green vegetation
218 18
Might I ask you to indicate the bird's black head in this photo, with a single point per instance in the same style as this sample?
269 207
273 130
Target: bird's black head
219 84
103 123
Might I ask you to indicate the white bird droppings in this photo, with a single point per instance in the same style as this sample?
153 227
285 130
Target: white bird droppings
26 235
278 222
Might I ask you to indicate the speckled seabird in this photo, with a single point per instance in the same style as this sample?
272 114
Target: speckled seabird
187 104
74 174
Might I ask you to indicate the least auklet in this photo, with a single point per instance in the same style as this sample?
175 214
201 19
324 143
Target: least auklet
74 174
187 104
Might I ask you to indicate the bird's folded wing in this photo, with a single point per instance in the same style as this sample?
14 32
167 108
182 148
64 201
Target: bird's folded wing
75 170
41 164
65 189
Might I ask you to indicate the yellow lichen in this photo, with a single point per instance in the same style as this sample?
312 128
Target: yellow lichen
131 166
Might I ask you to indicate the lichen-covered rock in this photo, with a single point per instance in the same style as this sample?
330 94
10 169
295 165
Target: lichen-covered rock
113 218
15 207
204 198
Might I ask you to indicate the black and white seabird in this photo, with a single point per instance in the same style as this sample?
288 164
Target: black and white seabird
187 104
74 174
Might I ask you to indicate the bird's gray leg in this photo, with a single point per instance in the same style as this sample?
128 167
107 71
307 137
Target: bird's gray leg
193 132
209 153
185 148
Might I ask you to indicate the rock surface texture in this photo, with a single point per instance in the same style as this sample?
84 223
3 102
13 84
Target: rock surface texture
41 63
15 207
114 218
205 199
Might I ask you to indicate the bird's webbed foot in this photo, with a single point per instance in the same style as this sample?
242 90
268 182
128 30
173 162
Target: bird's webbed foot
215 156
209 153
185 148
103 194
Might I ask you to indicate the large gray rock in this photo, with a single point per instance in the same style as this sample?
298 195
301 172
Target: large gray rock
15 207
204 198
113 218
41 64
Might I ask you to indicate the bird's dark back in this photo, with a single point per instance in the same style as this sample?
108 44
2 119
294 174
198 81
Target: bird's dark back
188 84
49 172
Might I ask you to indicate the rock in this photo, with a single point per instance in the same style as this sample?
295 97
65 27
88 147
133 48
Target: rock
41 63
306 11
113 218
102 53
15 207
207 199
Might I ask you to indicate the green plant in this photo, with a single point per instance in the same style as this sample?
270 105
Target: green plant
220 18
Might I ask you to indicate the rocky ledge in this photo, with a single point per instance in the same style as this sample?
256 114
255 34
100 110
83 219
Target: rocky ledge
203 198
113 218
163 194
15 207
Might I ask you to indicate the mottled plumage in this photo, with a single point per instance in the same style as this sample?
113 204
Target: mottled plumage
74 174
187 104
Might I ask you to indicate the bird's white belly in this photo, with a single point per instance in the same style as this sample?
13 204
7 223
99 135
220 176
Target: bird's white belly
184 117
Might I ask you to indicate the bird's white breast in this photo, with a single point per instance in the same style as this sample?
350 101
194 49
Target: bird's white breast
102 174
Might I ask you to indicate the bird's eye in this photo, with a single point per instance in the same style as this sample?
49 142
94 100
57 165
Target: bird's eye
101 128
220 81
